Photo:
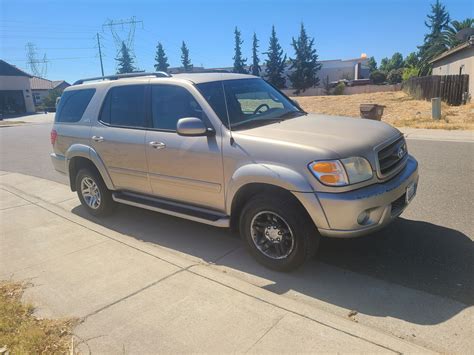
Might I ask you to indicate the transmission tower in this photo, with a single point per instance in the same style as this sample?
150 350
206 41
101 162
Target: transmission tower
123 31
39 67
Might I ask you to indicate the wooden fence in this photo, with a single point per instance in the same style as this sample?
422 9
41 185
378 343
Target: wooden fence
450 88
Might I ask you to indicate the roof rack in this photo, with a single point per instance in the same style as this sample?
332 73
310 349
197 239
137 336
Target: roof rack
158 74
204 71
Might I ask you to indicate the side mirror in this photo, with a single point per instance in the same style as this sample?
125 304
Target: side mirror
193 127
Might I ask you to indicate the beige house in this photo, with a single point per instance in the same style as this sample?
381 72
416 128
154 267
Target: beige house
456 61
15 90
41 88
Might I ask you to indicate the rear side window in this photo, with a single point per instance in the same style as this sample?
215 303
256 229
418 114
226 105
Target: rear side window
125 106
73 104
170 103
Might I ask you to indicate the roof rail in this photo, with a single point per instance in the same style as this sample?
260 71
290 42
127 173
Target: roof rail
158 74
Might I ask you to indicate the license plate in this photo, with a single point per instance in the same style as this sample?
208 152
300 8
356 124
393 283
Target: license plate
410 192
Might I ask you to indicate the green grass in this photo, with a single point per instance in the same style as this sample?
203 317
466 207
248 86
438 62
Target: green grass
22 333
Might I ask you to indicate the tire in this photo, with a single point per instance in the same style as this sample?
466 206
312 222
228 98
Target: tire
264 214
104 204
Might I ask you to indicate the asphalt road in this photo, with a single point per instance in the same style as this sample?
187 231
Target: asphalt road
418 271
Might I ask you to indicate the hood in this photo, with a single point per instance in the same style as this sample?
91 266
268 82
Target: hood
343 136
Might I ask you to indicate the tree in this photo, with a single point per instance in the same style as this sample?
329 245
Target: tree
372 64
185 61
410 73
395 76
50 100
161 59
453 28
305 63
434 43
125 61
255 69
384 65
412 60
239 62
396 62
378 77
275 63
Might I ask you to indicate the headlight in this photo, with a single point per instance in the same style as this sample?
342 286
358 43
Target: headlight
341 172
358 169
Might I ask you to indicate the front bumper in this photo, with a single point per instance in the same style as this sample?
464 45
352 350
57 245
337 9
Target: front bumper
382 202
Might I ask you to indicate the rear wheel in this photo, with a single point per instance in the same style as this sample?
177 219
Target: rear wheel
278 232
94 195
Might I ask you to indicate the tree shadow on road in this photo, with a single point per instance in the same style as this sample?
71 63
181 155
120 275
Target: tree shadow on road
362 274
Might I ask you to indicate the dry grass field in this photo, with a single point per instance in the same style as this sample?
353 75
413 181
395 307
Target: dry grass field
22 333
401 110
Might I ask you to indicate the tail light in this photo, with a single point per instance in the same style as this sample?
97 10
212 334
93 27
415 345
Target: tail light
54 136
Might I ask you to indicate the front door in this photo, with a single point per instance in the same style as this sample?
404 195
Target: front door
119 137
187 169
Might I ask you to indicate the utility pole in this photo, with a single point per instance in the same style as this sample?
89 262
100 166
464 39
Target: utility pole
100 55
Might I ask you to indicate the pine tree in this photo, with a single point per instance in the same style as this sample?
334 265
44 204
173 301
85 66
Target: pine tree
239 62
161 59
255 59
305 64
372 64
435 44
275 63
185 58
125 61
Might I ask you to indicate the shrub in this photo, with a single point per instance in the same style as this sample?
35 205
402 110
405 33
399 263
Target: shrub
378 77
339 89
395 76
409 73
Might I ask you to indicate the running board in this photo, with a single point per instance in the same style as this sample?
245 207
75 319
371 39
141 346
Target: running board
176 209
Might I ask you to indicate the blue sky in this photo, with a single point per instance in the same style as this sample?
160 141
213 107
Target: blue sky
65 30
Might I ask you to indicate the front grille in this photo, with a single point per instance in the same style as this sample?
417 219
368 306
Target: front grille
392 157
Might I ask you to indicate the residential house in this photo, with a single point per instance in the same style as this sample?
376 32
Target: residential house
456 61
41 88
334 70
15 90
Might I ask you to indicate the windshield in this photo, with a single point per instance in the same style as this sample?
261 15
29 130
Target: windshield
250 102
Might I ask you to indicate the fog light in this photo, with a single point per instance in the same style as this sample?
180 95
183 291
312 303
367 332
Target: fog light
363 218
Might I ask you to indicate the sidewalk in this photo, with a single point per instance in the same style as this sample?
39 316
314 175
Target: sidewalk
137 297
438 134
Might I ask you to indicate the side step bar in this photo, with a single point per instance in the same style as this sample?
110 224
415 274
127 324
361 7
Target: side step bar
176 209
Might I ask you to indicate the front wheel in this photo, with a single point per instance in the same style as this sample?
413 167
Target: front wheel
278 232
94 195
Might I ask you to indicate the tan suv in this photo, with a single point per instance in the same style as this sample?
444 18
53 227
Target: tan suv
230 150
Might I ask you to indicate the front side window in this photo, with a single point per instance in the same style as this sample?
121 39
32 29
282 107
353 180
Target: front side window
125 106
248 102
170 103
73 104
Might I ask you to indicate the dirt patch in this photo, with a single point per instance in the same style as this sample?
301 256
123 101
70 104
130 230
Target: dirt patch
22 333
401 110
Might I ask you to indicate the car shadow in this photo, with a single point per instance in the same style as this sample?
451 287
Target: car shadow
368 274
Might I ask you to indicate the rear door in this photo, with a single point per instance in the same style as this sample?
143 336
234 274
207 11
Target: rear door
119 137
187 169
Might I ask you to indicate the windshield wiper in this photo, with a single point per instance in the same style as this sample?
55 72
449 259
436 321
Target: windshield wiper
292 114
256 122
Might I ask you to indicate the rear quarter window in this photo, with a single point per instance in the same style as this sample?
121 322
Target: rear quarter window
73 104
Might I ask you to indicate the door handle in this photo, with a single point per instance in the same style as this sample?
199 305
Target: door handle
97 138
158 145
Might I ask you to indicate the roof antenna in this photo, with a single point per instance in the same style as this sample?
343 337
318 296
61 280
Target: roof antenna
232 140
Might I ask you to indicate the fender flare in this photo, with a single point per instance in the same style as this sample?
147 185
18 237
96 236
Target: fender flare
84 151
282 177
